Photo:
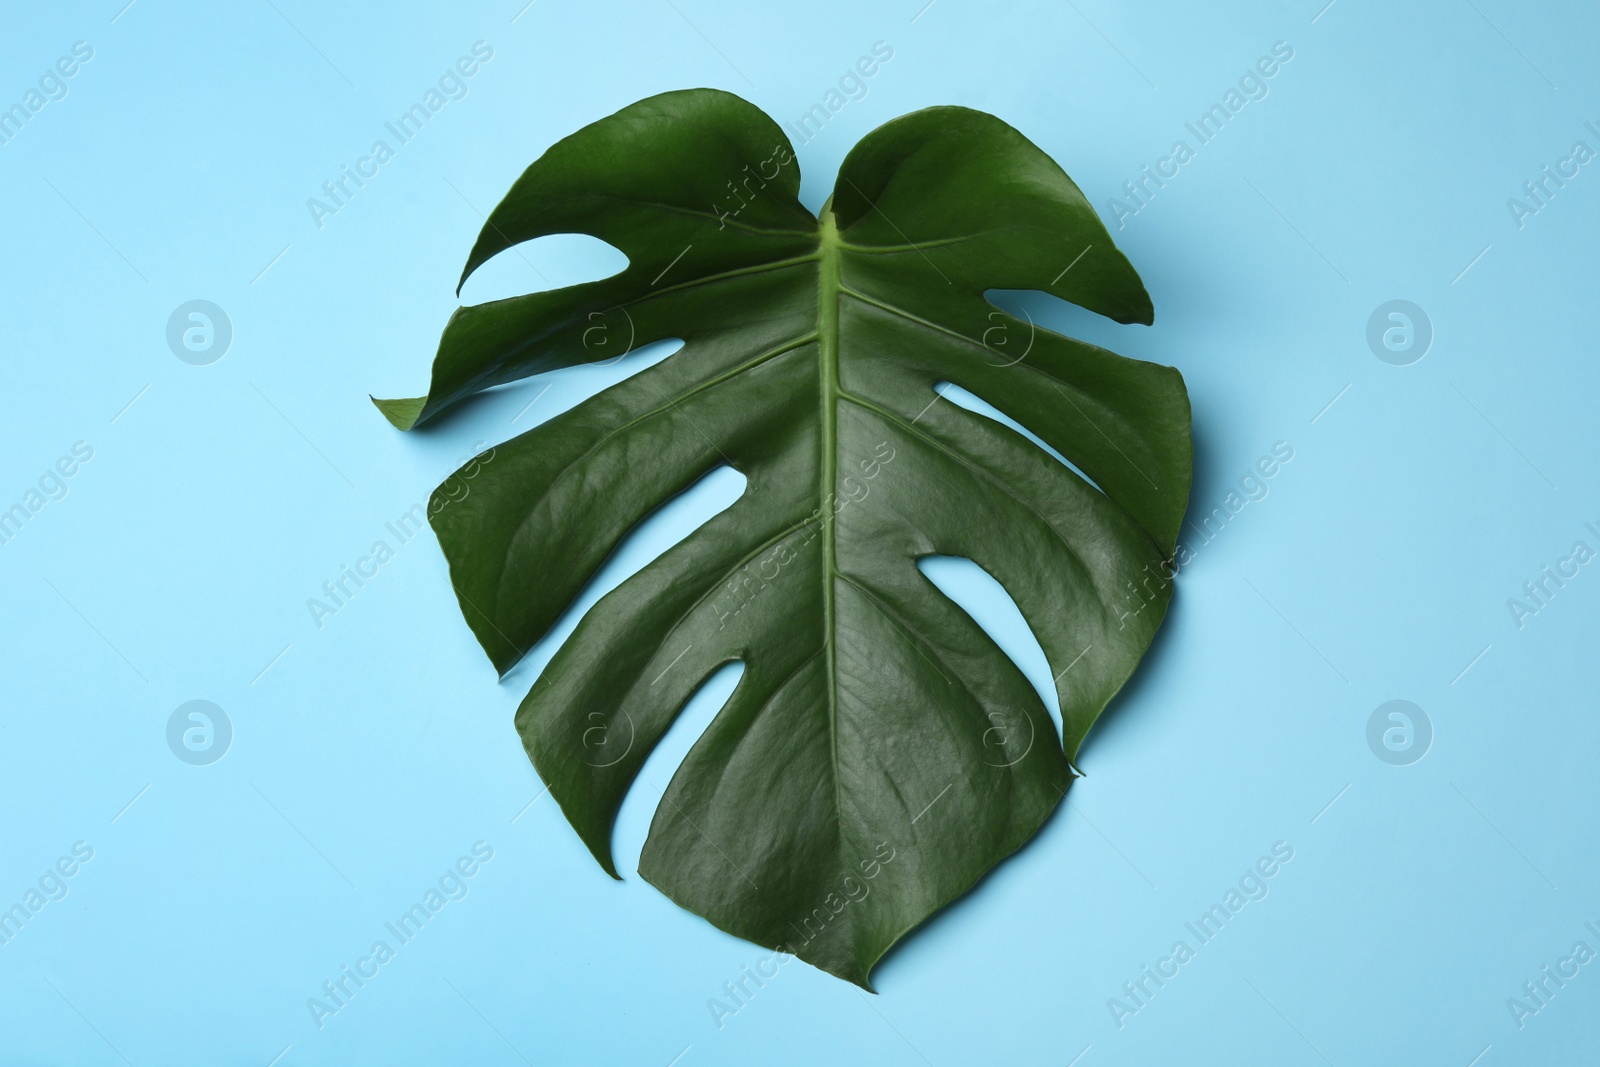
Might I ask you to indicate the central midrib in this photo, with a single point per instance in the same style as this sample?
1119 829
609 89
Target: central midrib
828 286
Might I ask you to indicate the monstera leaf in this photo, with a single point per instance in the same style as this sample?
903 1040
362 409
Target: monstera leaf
880 753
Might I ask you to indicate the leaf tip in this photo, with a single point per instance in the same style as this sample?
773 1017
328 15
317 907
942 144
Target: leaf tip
401 413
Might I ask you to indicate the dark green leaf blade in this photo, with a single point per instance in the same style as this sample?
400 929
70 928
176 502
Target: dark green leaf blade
879 753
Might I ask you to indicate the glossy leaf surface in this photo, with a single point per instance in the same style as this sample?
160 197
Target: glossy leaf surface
879 753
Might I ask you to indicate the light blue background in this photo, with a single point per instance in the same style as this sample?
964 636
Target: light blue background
370 753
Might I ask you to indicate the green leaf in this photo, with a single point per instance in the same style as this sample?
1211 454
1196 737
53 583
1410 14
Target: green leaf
879 753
